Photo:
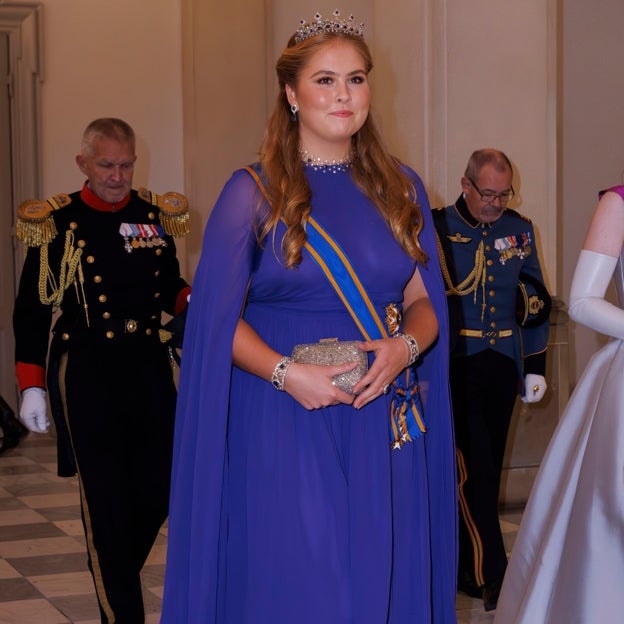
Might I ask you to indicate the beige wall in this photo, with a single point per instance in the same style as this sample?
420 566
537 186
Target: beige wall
497 87
592 131
225 94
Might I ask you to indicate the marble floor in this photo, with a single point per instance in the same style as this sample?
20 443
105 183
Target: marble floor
43 566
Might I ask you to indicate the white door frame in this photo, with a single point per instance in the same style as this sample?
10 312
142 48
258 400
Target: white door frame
21 25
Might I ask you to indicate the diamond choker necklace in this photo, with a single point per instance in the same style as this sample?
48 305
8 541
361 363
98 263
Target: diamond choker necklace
333 166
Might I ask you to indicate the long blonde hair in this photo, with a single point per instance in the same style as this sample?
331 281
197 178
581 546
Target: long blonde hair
374 170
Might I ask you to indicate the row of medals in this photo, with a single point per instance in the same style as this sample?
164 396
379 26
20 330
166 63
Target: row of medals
130 244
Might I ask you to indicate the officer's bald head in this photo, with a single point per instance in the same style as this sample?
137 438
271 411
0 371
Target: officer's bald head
487 156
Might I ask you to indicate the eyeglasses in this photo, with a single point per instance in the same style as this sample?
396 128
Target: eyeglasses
488 196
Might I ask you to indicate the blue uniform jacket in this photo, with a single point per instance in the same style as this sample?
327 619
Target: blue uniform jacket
483 266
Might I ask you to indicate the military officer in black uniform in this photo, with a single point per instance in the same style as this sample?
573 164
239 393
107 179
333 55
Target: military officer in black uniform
498 310
105 258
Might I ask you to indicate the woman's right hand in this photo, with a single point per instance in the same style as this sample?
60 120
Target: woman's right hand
312 385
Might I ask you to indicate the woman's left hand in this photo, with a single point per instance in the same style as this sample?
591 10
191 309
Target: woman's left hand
391 357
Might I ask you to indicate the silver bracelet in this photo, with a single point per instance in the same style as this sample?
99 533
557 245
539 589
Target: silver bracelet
278 378
412 345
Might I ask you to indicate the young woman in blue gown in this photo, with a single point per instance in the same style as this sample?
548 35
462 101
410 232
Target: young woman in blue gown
289 503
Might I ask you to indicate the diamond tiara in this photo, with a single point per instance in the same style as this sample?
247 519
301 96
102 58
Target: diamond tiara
333 25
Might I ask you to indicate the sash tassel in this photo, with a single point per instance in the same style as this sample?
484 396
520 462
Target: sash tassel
406 420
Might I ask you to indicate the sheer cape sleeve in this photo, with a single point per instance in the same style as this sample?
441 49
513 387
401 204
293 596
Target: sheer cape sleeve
433 370
229 251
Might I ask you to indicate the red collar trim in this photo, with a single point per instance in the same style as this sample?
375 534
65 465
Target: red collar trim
92 200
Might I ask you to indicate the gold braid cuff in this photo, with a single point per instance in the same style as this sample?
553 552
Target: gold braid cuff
174 211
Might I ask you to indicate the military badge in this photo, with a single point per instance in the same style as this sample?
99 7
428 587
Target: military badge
513 245
533 302
458 238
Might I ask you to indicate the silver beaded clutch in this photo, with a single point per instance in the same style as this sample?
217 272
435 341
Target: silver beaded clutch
330 351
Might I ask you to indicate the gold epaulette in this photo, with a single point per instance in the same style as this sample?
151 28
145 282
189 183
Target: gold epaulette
35 225
174 211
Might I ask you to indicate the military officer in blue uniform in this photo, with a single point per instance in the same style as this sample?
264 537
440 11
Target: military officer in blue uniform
104 258
498 308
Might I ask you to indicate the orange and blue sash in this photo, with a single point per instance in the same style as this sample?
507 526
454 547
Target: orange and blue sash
406 421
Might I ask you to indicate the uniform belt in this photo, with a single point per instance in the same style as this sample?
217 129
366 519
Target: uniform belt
110 328
478 333
125 326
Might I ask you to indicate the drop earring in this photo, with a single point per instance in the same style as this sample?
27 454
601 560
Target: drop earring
293 112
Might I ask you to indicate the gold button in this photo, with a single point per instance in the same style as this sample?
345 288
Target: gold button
490 278
151 215
490 262
488 248
148 332
158 251
73 225
81 244
156 295
90 259
102 298
493 324
110 334
97 279
493 309
106 315
156 273
492 293
492 341
65 336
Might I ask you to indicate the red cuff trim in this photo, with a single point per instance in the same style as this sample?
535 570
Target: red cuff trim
29 375
181 301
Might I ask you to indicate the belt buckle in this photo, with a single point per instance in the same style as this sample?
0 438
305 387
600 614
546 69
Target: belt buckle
130 326
491 334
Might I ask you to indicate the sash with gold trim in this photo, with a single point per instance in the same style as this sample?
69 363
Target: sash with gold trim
406 421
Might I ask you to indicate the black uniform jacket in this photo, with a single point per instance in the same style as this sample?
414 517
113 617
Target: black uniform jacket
123 273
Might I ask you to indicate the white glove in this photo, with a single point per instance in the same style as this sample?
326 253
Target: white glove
534 388
589 285
34 410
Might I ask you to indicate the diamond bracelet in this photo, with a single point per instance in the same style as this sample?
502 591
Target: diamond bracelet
412 345
278 378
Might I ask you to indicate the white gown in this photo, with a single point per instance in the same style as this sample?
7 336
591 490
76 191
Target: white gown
567 564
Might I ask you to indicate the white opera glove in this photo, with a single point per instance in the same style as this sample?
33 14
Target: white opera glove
534 388
34 410
587 303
